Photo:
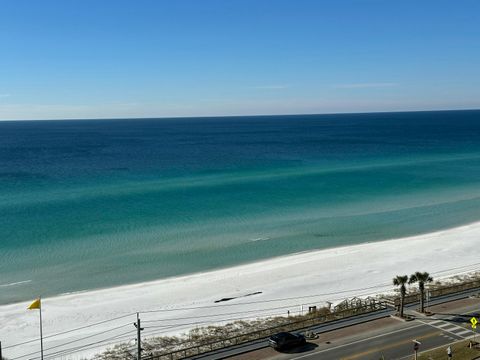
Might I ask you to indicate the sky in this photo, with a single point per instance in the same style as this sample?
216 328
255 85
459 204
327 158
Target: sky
163 58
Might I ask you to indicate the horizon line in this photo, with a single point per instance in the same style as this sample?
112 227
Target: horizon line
238 116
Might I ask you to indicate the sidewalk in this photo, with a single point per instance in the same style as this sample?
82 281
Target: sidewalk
260 347
373 328
335 337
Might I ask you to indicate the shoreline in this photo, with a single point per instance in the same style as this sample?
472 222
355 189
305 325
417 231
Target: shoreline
265 287
225 268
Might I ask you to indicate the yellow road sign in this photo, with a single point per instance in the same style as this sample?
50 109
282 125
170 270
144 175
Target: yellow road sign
474 322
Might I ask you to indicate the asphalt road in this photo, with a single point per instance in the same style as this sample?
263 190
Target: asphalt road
393 345
399 343
432 332
262 343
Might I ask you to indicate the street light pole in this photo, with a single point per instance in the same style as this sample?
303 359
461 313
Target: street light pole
416 346
428 299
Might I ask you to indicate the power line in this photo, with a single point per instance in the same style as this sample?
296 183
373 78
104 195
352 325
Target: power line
226 314
196 308
222 314
166 326
265 301
71 330
88 337
116 342
191 308
297 297
157 333
457 268
74 348
206 321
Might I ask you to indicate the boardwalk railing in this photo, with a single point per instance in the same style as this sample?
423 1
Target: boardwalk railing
343 310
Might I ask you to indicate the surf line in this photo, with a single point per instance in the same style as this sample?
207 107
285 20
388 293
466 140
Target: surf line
15 283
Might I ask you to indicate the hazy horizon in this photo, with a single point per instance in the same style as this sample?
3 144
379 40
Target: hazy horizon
246 115
150 59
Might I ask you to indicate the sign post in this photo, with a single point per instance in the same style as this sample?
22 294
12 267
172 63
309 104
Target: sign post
474 322
416 346
427 295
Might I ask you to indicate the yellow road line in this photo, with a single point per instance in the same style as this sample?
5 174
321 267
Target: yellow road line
391 346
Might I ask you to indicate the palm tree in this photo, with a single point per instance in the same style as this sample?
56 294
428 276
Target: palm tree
422 279
401 281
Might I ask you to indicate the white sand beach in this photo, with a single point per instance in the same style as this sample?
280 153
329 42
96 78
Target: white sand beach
276 285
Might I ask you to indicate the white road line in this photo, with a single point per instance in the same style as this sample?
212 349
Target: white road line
464 332
458 328
450 328
435 322
409 357
356 342
443 325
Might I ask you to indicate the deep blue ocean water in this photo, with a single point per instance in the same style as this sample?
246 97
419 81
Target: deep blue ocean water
98 203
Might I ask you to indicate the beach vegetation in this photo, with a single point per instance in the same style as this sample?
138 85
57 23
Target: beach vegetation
401 281
206 338
203 339
122 351
421 278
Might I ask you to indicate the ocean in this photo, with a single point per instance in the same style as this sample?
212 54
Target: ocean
87 204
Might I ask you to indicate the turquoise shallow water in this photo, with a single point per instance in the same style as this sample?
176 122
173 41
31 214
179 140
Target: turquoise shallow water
90 204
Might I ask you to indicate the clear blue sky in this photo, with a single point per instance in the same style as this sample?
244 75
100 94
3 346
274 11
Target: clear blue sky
100 58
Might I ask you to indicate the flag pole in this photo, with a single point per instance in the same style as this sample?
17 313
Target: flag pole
41 331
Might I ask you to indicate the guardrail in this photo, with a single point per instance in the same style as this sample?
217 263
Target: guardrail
346 309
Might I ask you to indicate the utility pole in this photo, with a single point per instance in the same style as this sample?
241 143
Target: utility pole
1 358
139 338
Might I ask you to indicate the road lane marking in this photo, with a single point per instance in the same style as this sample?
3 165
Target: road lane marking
450 328
442 325
447 337
409 357
390 346
464 332
357 341
458 329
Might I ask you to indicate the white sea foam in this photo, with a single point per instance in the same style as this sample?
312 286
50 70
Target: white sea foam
260 239
15 283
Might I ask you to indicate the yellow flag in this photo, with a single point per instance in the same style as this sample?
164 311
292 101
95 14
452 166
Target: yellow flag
35 305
